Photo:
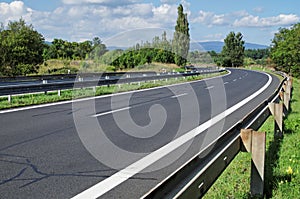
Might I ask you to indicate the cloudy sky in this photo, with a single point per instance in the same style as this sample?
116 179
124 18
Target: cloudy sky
210 20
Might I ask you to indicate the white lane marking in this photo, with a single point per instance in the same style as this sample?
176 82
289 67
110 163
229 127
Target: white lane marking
103 96
234 80
226 83
180 95
109 112
111 182
240 78
210 87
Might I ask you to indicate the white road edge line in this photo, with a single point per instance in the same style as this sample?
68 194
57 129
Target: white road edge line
109 112
103 96
111 182
180 95
210 87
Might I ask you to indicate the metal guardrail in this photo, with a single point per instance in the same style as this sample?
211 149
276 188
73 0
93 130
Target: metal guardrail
194 178
71 76
93 79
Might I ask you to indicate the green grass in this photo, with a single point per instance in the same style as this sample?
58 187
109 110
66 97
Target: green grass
34 99
282 178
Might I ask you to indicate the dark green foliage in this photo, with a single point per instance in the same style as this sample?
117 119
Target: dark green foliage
285 50
216 57
181 38
257 54
157 51
21 49
132 58
61 49
233 50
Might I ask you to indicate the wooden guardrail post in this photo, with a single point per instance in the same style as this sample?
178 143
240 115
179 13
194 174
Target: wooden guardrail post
276 110
255 143
287 88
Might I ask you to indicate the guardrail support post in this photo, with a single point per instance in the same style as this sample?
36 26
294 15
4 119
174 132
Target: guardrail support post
59 93
255 143
290 81
277 111
287 93
9 98
45 82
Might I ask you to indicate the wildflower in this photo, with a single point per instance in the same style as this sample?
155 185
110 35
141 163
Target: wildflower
281 182
289 171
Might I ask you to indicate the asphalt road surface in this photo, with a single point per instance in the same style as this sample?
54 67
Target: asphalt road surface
121 144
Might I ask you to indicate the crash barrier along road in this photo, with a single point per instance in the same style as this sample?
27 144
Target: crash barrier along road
10 86
195 178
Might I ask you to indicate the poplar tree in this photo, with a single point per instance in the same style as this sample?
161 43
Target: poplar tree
181 38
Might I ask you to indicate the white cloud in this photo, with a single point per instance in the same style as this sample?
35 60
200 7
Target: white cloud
258 9
103 2
14 11
256 21
82 22
210 19
244 19
169 1
165 12
143 10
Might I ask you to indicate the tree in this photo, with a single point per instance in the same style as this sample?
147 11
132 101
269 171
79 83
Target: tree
21 49
233 50
181 38
61 49
98 47
285 50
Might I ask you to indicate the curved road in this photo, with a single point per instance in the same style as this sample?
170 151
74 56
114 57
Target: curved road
120 146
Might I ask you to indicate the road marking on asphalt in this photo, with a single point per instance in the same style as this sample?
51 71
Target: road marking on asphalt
234 80
210 87
109 112
226 83
180 95
121 176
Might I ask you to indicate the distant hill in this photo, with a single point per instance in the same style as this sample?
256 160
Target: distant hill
48 42
207 46
218 45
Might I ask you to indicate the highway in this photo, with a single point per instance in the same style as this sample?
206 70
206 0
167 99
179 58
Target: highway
121 145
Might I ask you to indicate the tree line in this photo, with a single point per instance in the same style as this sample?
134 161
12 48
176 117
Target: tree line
62 49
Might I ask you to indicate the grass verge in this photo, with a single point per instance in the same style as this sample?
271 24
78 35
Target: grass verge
50 97
282 178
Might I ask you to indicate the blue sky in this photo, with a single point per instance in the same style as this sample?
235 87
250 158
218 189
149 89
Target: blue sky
210 20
